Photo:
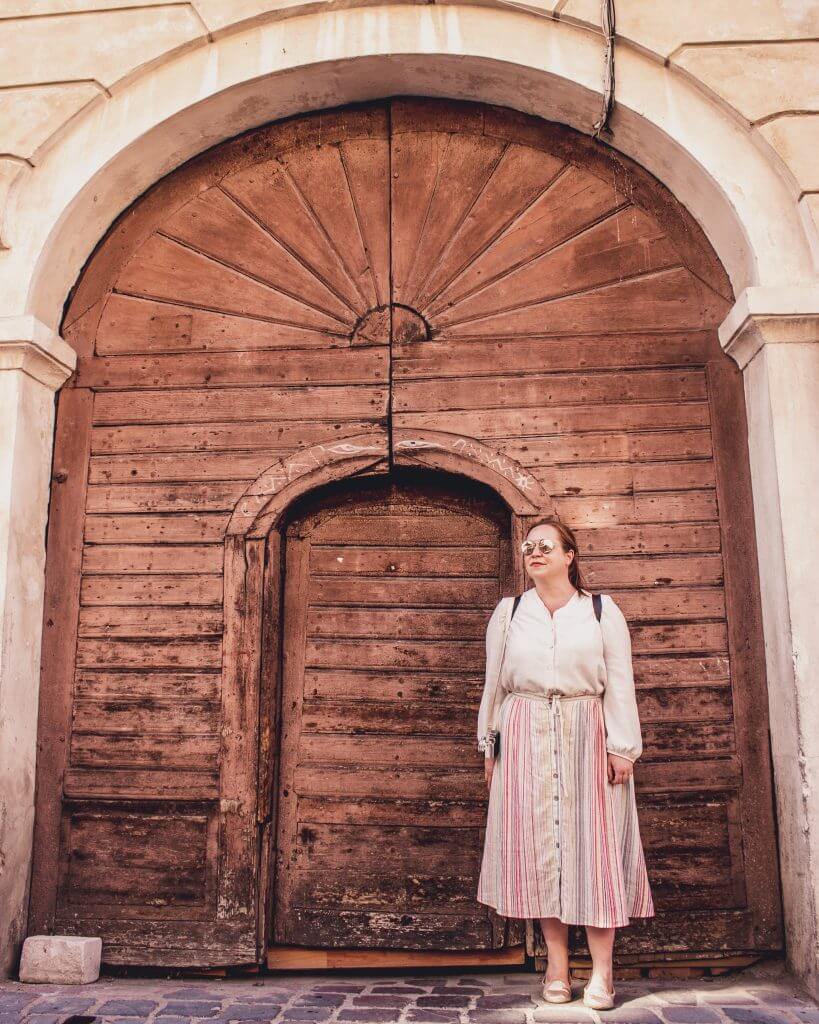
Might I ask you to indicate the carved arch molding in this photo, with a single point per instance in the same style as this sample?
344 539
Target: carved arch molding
253 540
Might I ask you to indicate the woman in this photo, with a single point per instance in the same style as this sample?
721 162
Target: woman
562 838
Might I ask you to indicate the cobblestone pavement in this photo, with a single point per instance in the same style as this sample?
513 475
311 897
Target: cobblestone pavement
764 994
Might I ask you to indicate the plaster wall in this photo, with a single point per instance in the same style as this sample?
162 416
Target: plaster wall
99 98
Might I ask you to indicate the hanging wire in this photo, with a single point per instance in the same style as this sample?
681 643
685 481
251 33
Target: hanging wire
607 24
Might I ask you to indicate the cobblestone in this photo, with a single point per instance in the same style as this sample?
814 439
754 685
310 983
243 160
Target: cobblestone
753 996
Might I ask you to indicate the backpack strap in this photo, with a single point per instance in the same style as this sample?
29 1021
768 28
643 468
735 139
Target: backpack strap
515 604
597 601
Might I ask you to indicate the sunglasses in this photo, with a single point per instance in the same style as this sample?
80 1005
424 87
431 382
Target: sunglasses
544 545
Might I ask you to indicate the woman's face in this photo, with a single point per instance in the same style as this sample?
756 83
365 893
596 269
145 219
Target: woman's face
547 565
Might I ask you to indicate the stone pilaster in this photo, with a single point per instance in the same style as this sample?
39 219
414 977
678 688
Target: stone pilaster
34 362
773 335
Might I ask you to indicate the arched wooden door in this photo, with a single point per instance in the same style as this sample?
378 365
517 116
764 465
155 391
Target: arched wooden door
441 278
388 587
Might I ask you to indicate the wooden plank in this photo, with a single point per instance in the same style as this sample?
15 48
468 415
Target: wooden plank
177 528
669 300
665 570
290 958
405 930
130 325
618 350
666 539
141 653
150 621
152 590
185 467
241 661
392 683
228 404
439 592
746 646
640 446
288 790
61 612
406 654
144 714
215 496
537 389
364 365
104 684
622 245
380 623
121 560
166 269
403 561
510 421
662 507
286 436
140 784
168 751
625 478
434 528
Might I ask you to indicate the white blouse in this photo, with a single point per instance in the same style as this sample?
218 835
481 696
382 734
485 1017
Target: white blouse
567 653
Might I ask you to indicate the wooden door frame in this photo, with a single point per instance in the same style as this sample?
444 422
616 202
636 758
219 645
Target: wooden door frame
253 584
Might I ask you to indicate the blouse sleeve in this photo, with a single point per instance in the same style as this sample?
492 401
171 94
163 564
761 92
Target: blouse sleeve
620 713
492 690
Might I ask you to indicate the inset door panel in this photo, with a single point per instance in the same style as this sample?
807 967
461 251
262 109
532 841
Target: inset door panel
388 589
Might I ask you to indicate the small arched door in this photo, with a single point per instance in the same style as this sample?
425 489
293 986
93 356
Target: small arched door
381 807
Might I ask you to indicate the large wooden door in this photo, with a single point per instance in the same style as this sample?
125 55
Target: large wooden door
381 811
429 276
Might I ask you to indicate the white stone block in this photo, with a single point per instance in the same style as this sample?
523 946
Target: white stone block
61 959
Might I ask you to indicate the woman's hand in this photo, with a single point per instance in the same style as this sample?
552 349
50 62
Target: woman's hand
619 769
488 768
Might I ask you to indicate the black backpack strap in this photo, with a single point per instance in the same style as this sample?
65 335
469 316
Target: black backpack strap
515 604
597 601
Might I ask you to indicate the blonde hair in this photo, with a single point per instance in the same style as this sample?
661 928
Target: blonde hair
569 543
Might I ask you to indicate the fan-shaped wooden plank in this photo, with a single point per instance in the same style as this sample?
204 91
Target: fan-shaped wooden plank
664 300
268 193
574 200
165 269
321 181
624 245
519 177
132 325
428 207
216 225
366 167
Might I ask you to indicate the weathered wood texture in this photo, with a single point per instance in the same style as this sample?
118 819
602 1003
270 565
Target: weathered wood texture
400 270
371 681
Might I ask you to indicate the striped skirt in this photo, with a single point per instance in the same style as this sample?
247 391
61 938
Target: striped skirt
561 840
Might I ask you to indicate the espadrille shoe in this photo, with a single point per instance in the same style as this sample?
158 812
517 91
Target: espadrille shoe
557 991
597 999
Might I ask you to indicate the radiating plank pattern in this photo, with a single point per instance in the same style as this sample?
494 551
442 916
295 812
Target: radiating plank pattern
382 678
412 264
